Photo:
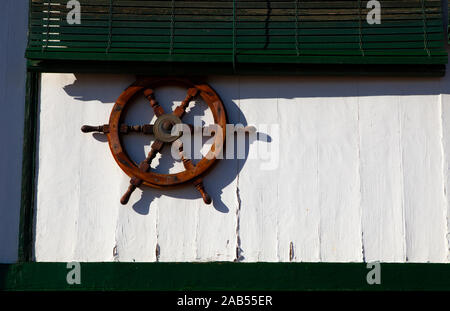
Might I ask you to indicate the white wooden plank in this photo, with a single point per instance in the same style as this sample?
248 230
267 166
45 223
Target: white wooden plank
425 206
445 106
381 177
58 186
217 224
339 179
258 189
299 215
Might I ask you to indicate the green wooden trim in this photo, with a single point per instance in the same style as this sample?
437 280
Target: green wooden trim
28 167
204 69
224 276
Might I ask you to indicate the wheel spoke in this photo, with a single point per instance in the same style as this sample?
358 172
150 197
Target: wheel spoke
155 148
181 109
104 129
144 167
157 109
146 129
198 183
188 165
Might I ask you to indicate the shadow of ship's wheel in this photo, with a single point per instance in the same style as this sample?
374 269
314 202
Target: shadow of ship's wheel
162 130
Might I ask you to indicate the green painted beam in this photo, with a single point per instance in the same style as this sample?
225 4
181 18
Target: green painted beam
204 69
28 167
224 276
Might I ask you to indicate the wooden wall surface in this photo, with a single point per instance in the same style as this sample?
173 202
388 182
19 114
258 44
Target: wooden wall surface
362 175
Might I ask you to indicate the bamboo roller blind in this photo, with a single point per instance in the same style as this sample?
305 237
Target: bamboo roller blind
239 32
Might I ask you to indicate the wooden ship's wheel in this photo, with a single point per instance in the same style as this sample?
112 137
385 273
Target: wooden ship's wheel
162 130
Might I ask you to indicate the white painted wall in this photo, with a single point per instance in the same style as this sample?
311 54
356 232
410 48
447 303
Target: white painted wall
362 176
13 39
363 172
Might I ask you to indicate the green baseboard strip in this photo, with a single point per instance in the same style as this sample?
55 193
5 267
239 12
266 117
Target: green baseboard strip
223 277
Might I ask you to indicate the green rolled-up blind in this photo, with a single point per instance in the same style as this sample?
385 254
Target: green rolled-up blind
237 34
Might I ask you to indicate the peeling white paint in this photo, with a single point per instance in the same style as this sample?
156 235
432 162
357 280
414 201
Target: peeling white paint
445 121
362 176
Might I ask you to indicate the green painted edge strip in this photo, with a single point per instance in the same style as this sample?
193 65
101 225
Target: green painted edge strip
28 167
204 69
224 276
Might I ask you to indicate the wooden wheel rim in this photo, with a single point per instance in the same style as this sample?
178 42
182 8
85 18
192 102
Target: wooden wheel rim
152 179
